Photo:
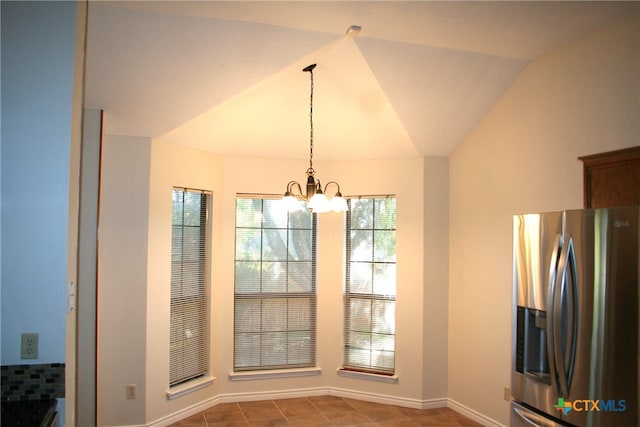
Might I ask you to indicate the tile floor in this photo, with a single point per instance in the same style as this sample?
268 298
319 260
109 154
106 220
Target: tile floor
322 411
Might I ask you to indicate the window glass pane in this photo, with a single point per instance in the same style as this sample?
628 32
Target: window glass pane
361 245
248 244
187 280
385 217
359 314
301 220
383 316
192 207
274 245
274 314
248 213
248 315
360 279
274 214
299 311
248 345
384 280
274 277
247 277
385 246
301 348
273 349
383 360
361 213
300 245
300 276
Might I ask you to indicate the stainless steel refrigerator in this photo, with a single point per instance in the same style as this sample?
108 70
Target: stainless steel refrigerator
575 319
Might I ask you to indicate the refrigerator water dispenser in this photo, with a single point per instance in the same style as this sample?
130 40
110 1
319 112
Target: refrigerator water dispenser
531 344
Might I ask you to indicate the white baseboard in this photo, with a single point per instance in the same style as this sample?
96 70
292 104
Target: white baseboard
235 397
474 415
389 400
273 395
186 412
322 391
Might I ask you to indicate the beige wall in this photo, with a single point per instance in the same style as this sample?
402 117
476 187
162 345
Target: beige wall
122 279
522 157
436 277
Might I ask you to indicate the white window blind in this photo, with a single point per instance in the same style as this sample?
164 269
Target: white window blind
275 286
370 289
189 336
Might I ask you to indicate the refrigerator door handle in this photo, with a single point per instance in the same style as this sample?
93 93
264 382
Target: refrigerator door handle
571 284
564 318
527 418
523 417
552 288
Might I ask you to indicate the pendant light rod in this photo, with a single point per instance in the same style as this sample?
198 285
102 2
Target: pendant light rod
309 69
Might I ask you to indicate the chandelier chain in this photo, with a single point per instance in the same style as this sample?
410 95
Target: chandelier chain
311 124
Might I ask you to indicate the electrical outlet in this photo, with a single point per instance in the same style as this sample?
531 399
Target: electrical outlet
29 347
131 391
507 393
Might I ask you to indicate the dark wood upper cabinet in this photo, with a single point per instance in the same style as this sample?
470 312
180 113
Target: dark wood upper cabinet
612 178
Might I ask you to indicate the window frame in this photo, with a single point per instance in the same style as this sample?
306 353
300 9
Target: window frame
188 367
263 369
350 367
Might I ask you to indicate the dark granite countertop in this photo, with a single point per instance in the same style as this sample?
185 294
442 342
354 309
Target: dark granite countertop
28 413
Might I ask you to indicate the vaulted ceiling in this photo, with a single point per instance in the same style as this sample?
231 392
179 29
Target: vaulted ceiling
226 76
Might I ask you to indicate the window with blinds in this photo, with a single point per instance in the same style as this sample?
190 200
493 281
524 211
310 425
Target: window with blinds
189 336
275 286
370 289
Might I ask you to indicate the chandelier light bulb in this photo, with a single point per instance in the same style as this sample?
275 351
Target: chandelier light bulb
338 204
291 203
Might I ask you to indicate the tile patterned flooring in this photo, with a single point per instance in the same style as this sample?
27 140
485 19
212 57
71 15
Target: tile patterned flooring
322 411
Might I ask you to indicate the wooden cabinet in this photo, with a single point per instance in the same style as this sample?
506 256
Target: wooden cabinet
612 178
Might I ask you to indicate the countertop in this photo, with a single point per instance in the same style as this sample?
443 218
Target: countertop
28 413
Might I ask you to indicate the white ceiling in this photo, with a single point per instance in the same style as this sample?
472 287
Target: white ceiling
226 76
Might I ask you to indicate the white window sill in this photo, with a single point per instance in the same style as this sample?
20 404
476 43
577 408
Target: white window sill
392 379
189 387
279 373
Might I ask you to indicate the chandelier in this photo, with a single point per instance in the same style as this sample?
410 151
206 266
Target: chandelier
317 201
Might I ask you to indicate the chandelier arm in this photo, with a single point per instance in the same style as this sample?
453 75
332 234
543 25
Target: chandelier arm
291 186
336 184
